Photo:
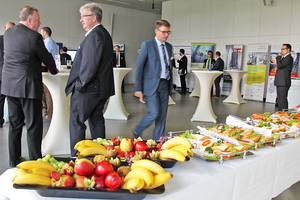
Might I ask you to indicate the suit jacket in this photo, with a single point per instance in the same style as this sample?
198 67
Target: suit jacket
64 57
283 73
183 64
92 70
24 50
212 62
219 65
1 56
148 68
122 60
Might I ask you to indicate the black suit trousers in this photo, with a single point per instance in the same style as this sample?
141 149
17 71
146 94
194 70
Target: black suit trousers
86 106
217 85
183 84
31 110
2 100
282 93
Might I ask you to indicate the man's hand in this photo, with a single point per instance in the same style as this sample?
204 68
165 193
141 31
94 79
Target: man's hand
138 94
280 54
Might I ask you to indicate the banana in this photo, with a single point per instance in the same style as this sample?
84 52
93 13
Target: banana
80 148
91 143
182 150
134 184
169 153
80 143
191 153
159 180
30 164
142 173
148 164
93 151
33 179
40 171
177 141
19 172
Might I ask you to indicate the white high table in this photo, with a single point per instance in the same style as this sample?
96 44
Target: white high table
115 108
196 90
204 111
235 94
57 139
263 175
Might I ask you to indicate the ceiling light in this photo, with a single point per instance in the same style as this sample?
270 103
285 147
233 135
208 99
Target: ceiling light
120 2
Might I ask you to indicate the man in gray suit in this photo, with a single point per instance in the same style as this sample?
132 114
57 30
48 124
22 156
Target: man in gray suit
24 50
282 80
153 78
91 80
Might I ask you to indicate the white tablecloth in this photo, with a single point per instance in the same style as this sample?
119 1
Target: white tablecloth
261 176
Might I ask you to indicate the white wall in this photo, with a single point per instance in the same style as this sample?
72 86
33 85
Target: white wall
232 22
130 27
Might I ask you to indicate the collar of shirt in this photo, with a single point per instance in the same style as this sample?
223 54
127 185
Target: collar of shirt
47 39
86 34
285 55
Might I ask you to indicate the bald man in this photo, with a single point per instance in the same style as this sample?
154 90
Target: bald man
2 97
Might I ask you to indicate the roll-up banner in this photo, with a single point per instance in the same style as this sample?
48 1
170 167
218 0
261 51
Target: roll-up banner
199 53
256 65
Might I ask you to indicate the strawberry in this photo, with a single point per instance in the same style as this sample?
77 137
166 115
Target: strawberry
55 175
113 139
159 146
71 163
70 171
67 181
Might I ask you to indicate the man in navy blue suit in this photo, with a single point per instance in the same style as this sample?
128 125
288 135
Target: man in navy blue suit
219 65
153 78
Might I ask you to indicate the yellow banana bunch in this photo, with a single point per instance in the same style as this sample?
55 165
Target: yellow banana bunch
169 153
148 164
19 172
133 184
40 171
142 173
30 164
177 141
32 179
89 148
159 180
187 152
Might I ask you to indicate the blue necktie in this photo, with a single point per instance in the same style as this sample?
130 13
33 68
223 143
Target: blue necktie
166 63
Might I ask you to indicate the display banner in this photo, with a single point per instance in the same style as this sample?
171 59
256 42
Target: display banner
199 53
275 50
176 55
233 61
256 65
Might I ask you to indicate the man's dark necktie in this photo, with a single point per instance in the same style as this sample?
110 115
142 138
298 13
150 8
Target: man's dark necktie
166 63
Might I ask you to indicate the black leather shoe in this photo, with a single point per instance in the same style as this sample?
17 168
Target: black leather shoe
135 135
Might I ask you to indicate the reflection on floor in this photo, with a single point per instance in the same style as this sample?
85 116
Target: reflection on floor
179 118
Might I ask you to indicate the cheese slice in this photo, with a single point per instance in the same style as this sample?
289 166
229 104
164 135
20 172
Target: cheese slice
241 148
199 137
222 148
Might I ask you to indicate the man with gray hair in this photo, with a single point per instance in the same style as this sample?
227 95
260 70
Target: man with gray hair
24 50
91 79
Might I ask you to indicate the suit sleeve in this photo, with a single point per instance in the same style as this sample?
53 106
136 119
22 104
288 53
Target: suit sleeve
283 63
114 60
184 63
43 54
124 64
216 65
139 67
91 57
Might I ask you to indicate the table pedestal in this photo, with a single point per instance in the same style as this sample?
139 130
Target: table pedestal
196 91
204 111
235 94
57 139
115 108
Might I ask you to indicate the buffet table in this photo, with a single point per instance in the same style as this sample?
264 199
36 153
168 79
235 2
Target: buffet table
204 111
235 94
59 126
263 175
115 108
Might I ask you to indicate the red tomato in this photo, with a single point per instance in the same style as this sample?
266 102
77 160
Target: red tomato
206 142
114 180
103 168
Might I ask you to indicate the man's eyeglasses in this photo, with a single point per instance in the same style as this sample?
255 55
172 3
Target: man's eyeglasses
164 32
283 48
82 16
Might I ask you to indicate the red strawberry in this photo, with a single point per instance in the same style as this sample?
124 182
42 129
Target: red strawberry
67 181
70 171
55 175
159 146
71 163
113 139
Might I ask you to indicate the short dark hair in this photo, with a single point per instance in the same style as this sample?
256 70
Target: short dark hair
162 22
209 52
26 12
218 53
182 51
47 30
288 46
117 46
65 49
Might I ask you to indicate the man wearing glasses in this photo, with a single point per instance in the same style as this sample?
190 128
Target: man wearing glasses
153 78
282 80
91 79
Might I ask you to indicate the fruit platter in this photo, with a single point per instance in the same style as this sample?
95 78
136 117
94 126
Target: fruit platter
98 171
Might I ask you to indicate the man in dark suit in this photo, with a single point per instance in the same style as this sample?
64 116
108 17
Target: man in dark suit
64 56
153 78
24 50
209 62
282 80
219 65
119 61
182 70
91 80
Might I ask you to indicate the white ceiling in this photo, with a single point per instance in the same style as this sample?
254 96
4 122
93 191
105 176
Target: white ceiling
143 5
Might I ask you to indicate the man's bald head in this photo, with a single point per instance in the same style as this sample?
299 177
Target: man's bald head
8 25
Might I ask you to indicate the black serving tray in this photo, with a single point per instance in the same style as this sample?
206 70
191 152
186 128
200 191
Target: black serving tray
106 193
